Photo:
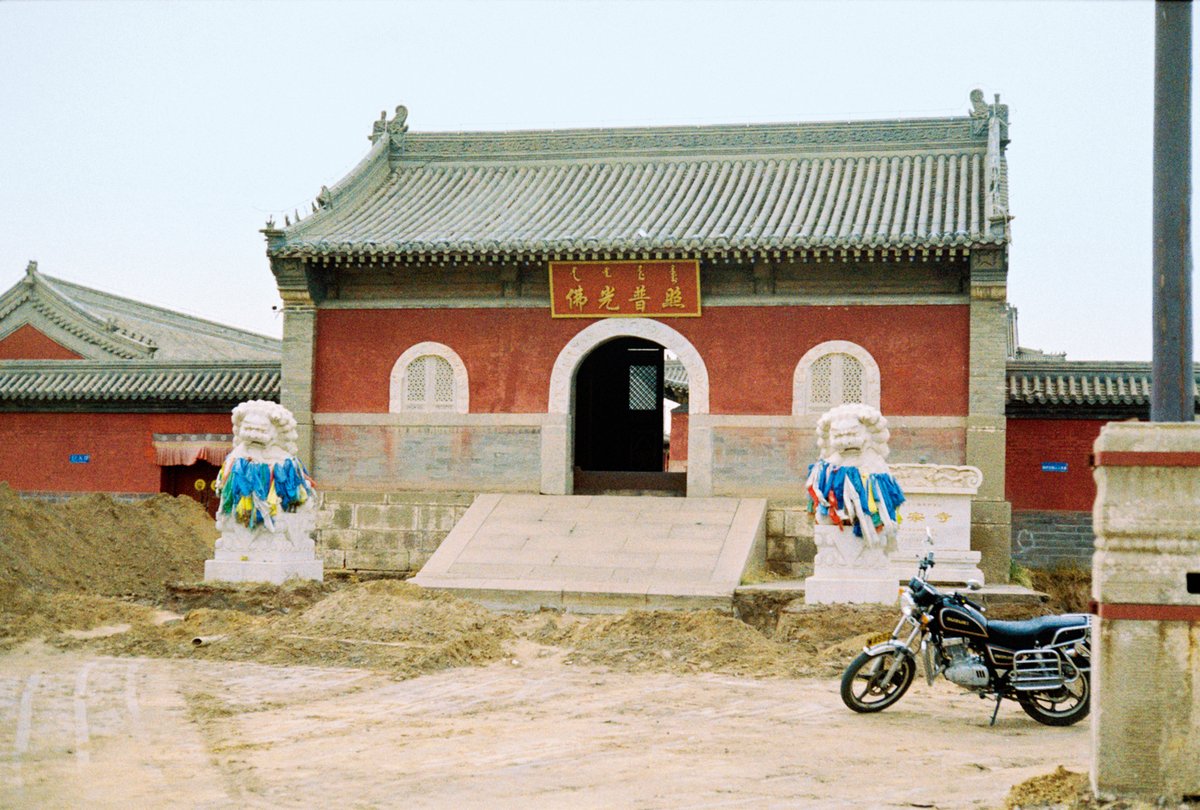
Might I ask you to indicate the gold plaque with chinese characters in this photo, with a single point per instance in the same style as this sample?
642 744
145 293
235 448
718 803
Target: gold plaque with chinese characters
634 289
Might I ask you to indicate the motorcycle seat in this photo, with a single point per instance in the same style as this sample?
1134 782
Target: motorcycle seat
1035 632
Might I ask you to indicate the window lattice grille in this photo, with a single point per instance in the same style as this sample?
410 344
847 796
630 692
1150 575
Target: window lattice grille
821 375
852 379
835 379
443 384
643 388
429 384
414 382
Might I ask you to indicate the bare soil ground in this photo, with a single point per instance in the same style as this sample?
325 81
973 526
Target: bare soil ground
377 694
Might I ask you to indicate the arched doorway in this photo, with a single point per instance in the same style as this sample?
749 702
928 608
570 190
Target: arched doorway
557 430
619 441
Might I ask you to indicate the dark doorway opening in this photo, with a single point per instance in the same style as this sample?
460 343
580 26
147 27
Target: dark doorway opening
194 481
619 441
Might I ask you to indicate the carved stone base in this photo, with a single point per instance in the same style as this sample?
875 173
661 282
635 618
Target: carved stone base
847 570
260 555
950 567
274 572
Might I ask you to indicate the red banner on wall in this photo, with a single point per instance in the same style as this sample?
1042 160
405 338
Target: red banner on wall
645 289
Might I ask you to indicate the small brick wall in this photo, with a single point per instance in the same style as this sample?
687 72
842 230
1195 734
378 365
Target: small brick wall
36 449
1047 464
790 547
1045 539
394 532
63 497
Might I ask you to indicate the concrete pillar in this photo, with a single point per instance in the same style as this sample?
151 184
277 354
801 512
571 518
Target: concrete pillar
1146 584
991 514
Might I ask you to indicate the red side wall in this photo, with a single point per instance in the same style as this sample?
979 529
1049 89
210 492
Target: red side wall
27 343
1032 442
750 352
35 449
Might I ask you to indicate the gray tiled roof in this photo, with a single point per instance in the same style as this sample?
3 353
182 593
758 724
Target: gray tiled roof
916 183
134 382
100 326
175 335
1078 383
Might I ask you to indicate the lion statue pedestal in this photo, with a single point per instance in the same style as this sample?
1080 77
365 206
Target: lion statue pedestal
855 503
267 507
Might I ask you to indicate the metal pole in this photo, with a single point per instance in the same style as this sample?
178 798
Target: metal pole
1172 398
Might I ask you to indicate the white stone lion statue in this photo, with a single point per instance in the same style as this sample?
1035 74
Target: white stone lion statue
851 485
266 496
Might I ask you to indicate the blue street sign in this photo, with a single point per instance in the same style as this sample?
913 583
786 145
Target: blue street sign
80 458
1054 466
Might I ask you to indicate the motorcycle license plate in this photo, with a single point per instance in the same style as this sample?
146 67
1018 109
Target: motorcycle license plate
878 638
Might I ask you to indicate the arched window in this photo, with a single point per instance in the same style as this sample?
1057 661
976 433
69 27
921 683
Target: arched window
429 377
834 373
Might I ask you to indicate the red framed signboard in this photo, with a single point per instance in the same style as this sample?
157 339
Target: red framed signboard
636 289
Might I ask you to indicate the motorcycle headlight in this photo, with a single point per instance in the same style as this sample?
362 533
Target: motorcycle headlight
908 605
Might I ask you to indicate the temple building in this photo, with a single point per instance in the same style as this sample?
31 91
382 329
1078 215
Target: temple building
472 312
99 393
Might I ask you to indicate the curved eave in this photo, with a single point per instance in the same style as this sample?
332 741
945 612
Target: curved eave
82 384
582 249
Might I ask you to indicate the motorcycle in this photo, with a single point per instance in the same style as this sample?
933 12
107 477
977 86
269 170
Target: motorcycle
1043 663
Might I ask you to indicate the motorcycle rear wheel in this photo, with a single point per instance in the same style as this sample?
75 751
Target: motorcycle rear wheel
861 687
1060 707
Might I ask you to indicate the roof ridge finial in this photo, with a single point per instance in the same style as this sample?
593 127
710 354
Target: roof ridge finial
399 125
31 268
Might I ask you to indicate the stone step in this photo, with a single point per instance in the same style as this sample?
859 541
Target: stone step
600 554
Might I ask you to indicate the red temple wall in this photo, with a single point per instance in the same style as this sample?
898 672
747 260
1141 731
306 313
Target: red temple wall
35 449
750 352
27 343
1030 443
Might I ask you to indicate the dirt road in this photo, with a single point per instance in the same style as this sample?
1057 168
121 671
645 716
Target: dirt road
534 731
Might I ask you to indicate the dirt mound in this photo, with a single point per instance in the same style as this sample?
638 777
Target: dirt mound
385 625
642 641
26 614
1062 788
255 598
95 544
1068 586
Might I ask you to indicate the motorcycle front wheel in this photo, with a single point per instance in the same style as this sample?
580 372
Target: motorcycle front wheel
1060 707
863 689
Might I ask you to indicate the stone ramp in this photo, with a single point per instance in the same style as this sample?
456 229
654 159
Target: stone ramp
599 554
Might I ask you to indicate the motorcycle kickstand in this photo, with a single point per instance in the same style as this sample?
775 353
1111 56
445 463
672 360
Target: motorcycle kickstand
996 711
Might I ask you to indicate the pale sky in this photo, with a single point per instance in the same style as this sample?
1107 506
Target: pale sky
143 145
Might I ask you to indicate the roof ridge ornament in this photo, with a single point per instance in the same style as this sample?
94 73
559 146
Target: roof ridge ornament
982 113
397 126
31 268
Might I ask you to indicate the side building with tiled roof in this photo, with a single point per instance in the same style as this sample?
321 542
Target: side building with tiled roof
100 393
1055 411
494 311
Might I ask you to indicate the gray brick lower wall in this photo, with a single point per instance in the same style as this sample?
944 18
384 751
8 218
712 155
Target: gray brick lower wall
392 532
496 458
772 462
1045 539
